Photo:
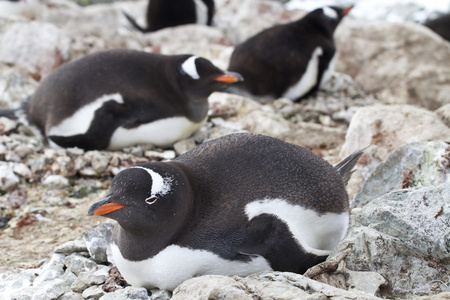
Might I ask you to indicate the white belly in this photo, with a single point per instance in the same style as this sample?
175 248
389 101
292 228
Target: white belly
309 78
159 133
317 234
175 264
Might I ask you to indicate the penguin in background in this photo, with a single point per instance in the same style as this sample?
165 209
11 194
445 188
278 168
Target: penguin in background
169 13
236 205
440 25
119 98
290 60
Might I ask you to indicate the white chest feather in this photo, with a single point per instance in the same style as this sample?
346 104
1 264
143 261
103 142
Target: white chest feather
317 234
175 264
81 120
160 133
201 12
309 78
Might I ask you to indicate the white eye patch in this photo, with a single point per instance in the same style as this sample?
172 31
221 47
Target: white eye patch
190 68
329 12
160 185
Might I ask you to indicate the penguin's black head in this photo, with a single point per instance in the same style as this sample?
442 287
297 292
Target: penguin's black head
200 77
145 198
328 17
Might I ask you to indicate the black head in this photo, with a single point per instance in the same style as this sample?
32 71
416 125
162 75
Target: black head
145 198
328 17
200 78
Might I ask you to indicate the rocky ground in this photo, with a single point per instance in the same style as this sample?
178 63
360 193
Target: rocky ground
391 90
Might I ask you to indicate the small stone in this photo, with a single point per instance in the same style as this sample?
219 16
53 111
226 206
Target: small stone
97 241
184 146
71 296
127 293
71 247
93 292
77 264
157 294
7 125
8 180
166 155
23 170
56 181
86 279
99 161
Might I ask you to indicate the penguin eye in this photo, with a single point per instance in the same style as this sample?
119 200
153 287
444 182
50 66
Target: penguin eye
151 199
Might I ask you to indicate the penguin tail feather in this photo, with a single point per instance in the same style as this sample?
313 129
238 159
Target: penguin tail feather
134 23
346 165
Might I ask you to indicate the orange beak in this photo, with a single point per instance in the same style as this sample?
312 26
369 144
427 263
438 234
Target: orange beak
104 207
107 208
347 10
229 77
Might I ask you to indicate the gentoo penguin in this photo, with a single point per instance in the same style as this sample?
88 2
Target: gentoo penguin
168 13
235 205
441 26
290 60
117 98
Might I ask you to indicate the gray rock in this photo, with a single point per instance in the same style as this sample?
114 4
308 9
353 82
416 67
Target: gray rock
389 60
444 113
157 294
411 165
70 296
97 241
13 282
77 264
184 146
403 236
71 247
56 181
8 179
93 292
126 293
22 44
87 279
99 161
274 285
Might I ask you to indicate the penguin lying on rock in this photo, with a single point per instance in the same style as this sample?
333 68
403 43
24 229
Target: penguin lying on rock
169 13
290 60
118 98
236 205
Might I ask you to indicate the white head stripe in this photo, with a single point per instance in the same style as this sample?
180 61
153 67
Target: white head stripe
329 12
160 185
189 67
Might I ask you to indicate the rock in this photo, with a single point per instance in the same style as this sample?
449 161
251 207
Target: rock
276 285
410 166
157 294
23 170
127 293
441 296
237 19
7 125
16 85
39 47
184 145
99 161
402 236
165 155
87 279
389 60
56 181
385 128
71 296
444 114
8 180
71 247
97 241
93 292
77 264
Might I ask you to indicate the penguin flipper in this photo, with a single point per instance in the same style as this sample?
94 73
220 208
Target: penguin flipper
346 165
134 23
